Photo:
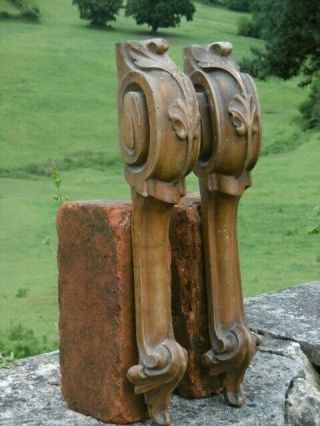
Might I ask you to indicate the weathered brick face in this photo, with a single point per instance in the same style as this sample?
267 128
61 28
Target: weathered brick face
96 298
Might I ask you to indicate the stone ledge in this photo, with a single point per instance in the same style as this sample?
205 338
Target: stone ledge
291 314
281 386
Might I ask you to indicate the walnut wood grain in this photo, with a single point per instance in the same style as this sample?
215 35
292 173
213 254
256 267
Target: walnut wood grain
230 144
159 126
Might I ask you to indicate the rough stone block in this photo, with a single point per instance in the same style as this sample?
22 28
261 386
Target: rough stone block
292 314
97 327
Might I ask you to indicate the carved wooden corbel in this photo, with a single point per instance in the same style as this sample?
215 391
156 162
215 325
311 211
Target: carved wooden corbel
159 126
230 143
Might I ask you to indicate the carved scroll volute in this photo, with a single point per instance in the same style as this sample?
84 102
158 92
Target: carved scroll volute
159 126
230 144
158 120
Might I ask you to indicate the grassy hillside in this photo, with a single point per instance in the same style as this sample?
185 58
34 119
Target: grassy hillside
58 103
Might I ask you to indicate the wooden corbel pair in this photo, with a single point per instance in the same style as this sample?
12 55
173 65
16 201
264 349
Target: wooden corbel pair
169 125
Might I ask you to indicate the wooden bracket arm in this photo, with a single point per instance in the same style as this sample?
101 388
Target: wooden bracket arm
159 126
162 360
230 144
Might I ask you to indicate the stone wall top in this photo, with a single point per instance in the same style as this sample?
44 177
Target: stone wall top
281 386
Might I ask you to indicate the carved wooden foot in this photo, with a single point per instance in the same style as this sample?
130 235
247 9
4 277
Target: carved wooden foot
159 126
230 142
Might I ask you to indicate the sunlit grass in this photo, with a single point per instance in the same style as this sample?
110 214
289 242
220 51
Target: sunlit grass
58 99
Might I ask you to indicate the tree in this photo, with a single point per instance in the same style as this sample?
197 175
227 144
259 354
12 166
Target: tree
160 13
292 31
98 11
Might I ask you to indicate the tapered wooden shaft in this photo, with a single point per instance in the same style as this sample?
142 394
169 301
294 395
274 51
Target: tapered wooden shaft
163 360
232 344
152 260
219 222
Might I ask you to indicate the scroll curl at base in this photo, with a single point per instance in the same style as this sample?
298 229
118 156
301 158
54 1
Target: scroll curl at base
159 380
231 359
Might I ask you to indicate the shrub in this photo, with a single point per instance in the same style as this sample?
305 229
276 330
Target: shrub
32 14
255 66
239 5
22 342
248 28
216 2
7 361
23 9
310 109
28 10
99 12
22 292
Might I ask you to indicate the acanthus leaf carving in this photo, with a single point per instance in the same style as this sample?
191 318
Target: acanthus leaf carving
244 114
185 121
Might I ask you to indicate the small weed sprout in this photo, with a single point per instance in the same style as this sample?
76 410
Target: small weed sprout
58 197
57 182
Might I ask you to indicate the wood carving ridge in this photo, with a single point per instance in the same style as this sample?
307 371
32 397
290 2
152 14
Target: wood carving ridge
230 144
159 126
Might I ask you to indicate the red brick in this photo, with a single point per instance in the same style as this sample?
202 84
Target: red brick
96 299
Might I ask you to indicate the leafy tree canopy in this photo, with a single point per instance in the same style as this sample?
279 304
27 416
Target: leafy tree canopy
292 31
160 13
98 11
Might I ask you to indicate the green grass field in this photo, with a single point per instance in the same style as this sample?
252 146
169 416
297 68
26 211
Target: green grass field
58 103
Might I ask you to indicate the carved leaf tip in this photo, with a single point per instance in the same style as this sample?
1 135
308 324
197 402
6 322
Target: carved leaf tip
244 114
155 45
179 117
222 48
150 54
158 45
184 121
